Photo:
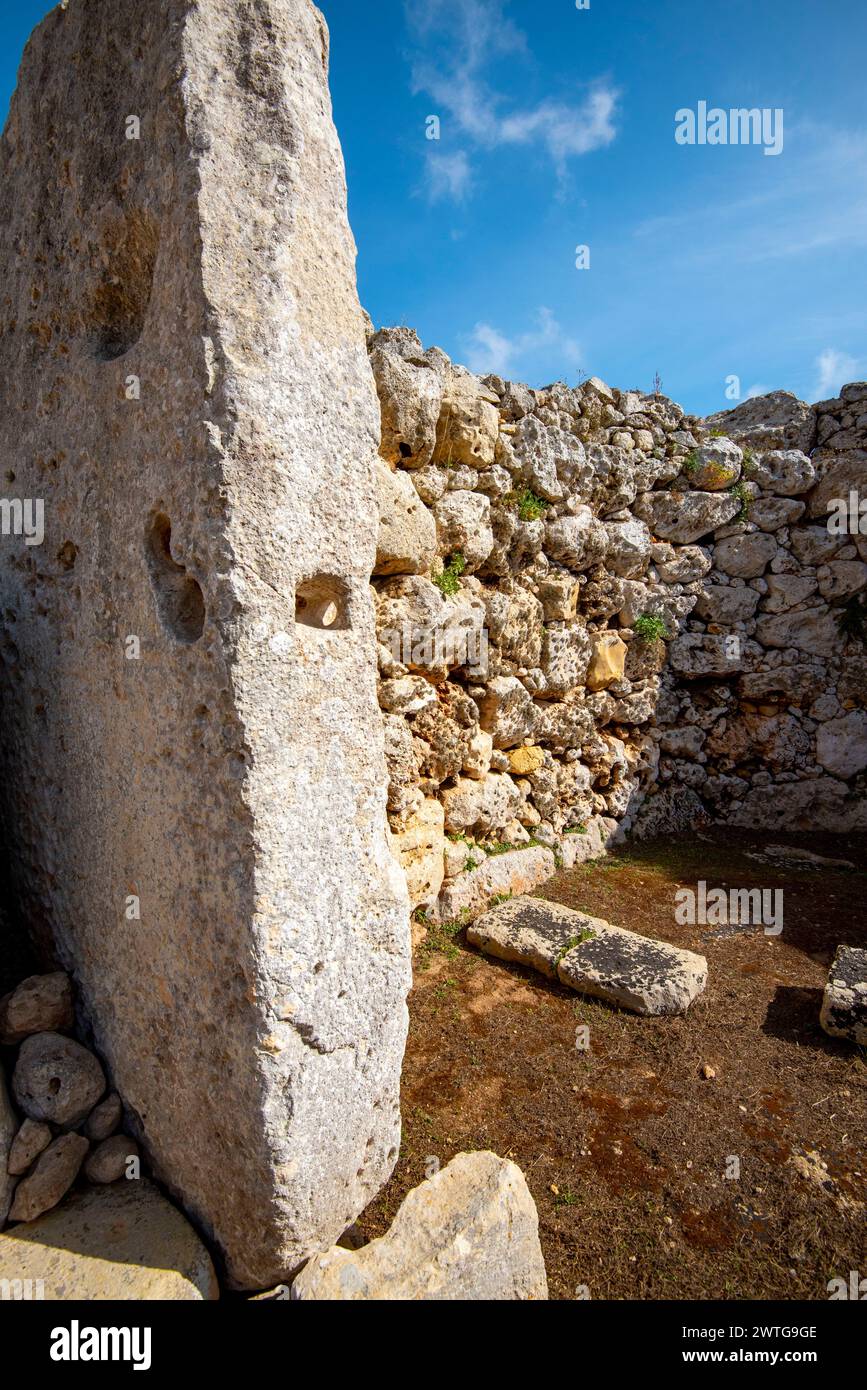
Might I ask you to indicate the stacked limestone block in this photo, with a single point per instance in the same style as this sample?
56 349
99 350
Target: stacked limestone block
597 614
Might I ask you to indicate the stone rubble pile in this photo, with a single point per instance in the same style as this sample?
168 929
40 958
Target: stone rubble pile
596 615
61 1117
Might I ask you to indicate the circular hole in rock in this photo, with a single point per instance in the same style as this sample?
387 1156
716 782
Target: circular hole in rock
179 599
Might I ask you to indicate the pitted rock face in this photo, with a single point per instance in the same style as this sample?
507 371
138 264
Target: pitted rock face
190 715
844 1004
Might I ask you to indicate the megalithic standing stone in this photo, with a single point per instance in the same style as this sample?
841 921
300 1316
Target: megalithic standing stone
193 770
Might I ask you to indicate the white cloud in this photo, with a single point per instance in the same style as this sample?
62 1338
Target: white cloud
757 390
833 370
447 175
458 39
489 350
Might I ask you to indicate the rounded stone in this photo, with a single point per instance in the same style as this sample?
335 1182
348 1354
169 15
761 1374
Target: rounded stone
105 1118
108 1160
57 1080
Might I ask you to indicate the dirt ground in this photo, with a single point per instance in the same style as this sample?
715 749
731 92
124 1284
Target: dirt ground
625 1146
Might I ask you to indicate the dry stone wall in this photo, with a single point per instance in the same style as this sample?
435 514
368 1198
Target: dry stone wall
597 616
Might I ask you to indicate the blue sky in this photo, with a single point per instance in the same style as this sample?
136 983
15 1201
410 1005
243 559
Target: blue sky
556 131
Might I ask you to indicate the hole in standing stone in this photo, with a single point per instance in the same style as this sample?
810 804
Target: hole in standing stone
54 1085
66 555
323 602
179 599
115 315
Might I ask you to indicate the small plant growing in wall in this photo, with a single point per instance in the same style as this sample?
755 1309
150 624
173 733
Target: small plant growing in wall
691 463
448 581
749 464
744 496
527 503
649 627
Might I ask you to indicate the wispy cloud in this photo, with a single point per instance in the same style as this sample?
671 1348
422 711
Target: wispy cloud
487 349
457 41
833 370
447 175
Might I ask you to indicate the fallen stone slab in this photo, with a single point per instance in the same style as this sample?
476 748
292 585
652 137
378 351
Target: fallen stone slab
197 819
844 1003
40 1004
471 1232
791 855
591 956
111 1243
516 871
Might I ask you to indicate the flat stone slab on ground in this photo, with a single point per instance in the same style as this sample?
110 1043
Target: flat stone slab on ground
110 1244
844 1003
592 956
471 1232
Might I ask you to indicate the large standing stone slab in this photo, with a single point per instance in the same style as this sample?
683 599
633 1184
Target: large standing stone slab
192 764
844 1003
591 956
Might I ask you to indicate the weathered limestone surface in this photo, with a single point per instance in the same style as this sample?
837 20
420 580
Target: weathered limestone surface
844 1003
111 1243
592 956
471 1232
226 767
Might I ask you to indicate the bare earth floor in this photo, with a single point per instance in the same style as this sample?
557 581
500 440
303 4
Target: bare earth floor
625 1146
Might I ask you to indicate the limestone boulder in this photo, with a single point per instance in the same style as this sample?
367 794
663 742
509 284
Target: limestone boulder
56 1080
628 550
577 541
777 420
695 655
50 1179
500 875
469 1233
409 383
468 423
40 1004
773 513
566 654
507 712
684 517
463 526
727 603
746 556
32 1138
841 474
784 472
480 807
419 851
815 630
106 1244
607 661
715 466
407 539
841 744
844 1002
